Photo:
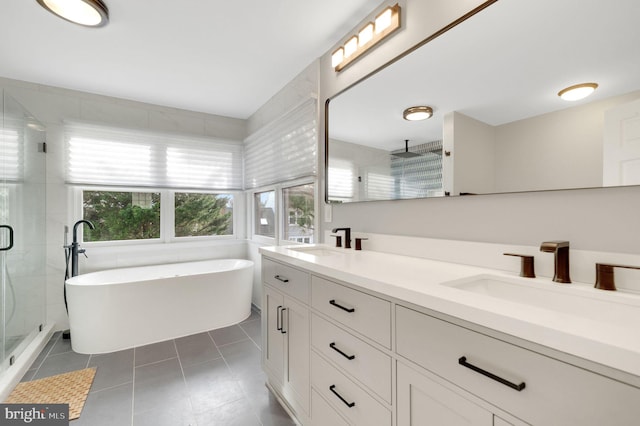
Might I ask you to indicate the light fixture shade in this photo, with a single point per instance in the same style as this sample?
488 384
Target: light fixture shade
337 57
578 91
351 46
383 20
416 113
89 13
365 35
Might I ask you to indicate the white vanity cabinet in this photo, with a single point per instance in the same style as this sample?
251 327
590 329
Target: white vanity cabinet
533 387
340 354
285 337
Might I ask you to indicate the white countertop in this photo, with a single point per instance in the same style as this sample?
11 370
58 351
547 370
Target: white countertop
419 281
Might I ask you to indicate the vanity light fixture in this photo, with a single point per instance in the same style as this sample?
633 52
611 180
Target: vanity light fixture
417 113
578 91
89 13
385 23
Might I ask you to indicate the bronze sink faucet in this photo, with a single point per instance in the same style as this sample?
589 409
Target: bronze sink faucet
560 250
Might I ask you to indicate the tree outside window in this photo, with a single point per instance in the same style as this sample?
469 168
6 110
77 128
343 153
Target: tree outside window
198 215
298 203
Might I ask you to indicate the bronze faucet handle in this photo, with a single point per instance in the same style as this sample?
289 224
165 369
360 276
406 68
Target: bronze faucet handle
604 275
526 265
338 240
359 242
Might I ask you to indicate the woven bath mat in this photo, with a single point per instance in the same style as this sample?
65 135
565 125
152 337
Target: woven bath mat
69 388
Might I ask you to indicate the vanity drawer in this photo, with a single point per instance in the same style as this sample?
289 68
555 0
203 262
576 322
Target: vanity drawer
361 312
554 392
359 359
322 414
349 400
290 281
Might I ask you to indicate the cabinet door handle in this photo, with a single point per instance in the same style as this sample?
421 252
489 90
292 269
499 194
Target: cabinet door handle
283 279
463 361
333 302
279 318
282 330
332 388
332 345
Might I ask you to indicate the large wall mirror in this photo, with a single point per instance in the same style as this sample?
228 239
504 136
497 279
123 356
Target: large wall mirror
498 124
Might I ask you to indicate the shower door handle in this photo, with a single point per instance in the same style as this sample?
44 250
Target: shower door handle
10 238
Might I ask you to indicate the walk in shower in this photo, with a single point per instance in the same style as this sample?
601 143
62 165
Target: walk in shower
22 234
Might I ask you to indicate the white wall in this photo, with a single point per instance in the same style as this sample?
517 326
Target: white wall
594 219
54 106
561 149
472 147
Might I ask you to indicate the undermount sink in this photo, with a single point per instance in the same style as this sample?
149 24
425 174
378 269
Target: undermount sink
316 251
571 299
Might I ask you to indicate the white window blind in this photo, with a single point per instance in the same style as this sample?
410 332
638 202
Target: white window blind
102 156
11 155
283 150
341 180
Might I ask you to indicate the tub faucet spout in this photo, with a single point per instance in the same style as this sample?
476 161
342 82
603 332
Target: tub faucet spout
560 250
75 246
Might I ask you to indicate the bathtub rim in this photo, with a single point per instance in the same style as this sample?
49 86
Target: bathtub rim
77 280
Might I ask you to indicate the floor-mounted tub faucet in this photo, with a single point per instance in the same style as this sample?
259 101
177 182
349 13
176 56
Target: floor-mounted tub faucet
75 250
560 250
347 236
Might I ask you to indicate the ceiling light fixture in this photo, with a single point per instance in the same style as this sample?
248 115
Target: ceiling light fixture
577 92
416 113
89 13
385 23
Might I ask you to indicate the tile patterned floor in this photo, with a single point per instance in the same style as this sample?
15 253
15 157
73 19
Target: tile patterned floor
211 378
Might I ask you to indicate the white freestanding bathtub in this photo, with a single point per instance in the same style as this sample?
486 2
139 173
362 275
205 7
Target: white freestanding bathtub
123 308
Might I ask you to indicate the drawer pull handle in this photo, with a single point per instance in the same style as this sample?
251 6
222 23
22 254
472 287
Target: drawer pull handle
463 361
278 318
332 388
332 345
283 279
333 302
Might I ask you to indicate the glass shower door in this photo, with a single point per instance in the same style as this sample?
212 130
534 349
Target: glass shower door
22 229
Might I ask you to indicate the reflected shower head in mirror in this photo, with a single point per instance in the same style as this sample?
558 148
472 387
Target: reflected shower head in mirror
406 153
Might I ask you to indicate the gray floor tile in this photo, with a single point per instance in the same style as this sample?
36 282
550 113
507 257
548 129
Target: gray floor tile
159 385
254 330
110 407
60 346
254 316
155 352
45 351
196 348
262 401
236 413
210 384
243 358
114 369
28 376
61 363
227 335
171 416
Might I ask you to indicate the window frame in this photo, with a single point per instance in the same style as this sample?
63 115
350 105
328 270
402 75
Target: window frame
281 217
167 215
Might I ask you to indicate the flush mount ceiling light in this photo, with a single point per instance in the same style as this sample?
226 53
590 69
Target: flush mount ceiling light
577 92
385 23
89 13
416 113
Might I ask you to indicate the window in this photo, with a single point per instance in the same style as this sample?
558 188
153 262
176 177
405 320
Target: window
298 203
198 214
121 215
149 186
265 214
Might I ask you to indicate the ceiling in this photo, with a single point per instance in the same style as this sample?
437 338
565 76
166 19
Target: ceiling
225 58
506 63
